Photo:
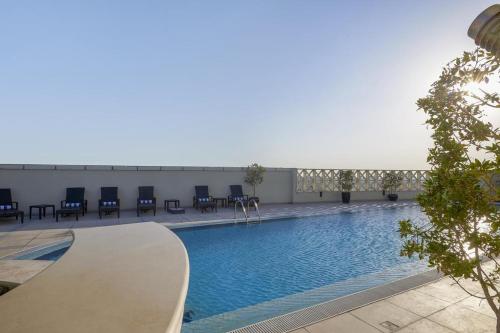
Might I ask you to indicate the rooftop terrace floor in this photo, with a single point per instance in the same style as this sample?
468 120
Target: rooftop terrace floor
439 307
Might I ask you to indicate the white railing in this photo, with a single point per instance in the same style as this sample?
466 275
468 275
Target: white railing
242 208
327 180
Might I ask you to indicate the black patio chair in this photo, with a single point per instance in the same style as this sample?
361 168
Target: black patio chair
75 198
109 201
146 200
9 208
202 199
74 204
236 195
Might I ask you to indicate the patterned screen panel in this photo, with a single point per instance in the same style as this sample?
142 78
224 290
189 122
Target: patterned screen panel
327 180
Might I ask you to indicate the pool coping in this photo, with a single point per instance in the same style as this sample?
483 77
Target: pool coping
267 218
208 223
319 312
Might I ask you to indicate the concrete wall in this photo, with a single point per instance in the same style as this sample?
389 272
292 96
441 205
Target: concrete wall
47 184
36 184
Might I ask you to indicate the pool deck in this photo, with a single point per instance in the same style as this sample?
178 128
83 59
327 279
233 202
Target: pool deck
440 307
116 279
15 236
436 307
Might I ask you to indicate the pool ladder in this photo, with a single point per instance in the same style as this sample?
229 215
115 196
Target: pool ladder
247 210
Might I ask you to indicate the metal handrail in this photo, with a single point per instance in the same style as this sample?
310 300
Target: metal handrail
256 208
242 207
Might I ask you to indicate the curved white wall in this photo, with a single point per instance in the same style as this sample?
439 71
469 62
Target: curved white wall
124 278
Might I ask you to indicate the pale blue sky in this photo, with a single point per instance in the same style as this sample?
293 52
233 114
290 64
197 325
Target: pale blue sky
323 84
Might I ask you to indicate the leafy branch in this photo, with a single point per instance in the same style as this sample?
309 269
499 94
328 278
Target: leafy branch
463 233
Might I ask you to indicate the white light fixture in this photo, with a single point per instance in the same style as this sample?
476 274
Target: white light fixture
485 30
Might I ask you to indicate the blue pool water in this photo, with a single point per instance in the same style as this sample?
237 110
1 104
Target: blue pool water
54 255
241 271
53 252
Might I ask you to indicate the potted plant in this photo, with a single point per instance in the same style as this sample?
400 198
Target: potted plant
254 177
346 180
390 184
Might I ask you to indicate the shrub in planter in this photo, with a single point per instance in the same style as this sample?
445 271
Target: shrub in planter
390 184
255 176
392 196
346 180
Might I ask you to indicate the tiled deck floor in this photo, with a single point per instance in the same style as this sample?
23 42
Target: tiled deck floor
437 307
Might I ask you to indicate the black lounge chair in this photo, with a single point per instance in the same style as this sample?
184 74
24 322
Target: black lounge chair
203 200
74 204
109 201
236 195
9 208
146 200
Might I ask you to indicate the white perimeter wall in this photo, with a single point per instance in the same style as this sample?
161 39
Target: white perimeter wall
36 184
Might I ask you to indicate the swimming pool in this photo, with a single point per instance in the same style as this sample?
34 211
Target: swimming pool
241 274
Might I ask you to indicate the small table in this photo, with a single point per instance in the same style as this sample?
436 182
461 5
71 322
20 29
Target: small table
223 201
176 210
166 203
42 209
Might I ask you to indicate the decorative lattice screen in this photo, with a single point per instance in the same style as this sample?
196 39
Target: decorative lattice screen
327 180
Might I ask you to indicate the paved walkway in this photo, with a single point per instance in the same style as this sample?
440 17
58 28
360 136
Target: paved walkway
437 307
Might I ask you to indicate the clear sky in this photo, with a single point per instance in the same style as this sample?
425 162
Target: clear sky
323 84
